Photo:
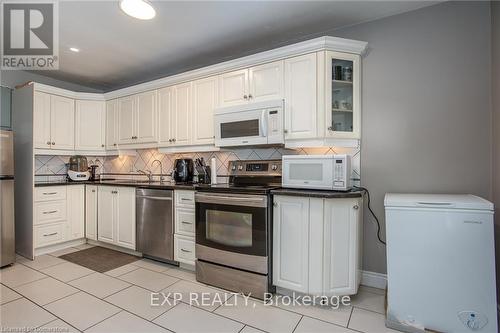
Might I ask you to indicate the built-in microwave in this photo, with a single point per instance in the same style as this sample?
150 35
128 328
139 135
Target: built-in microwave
324 172
249 124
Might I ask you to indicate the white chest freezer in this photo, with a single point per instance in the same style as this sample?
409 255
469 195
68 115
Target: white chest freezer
440 263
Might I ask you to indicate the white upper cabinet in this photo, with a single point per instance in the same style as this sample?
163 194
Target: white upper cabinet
62 122
146 117
137 118
266 82
165 110
254 84
205 97
111 124
301 97
233 88
342 95
181 116
90 125
126 120
41 121
53 122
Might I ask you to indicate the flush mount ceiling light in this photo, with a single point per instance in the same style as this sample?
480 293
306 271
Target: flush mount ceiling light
74 49
140 9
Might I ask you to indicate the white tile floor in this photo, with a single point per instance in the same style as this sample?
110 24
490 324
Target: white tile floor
52 294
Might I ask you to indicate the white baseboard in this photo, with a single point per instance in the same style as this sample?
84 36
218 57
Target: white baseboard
373 279
57 247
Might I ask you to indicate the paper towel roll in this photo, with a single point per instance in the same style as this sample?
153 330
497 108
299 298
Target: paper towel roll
213 171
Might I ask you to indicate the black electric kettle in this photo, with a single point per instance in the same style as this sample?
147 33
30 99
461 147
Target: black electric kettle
183 170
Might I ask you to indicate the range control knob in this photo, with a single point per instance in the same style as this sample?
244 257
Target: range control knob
233 167
240 167
274 167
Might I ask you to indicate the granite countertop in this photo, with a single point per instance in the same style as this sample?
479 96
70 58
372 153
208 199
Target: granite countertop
318 193
171 186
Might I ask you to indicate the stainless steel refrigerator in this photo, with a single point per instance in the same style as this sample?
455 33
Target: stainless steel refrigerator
7 236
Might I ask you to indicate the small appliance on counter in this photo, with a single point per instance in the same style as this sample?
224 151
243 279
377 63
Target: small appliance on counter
78 169
322 172
183 170
203 171
93 170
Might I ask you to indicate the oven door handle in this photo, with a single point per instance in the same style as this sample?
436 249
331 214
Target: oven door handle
251 201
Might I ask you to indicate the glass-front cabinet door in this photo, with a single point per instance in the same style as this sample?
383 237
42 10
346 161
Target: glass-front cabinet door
343 95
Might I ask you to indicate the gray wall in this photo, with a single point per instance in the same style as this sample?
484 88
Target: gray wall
426 106
13 78
495 93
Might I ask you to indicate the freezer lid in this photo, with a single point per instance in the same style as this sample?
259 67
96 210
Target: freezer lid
443 201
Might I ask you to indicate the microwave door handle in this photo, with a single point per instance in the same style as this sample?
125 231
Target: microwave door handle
263 120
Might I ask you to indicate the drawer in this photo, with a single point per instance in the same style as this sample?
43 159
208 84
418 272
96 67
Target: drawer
184 198
49 193
184 249
49 234
185 221
50 211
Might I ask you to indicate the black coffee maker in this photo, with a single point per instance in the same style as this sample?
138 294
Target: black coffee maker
183 170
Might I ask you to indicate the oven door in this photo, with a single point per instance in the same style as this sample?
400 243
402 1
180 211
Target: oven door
314 172
241 128
231 229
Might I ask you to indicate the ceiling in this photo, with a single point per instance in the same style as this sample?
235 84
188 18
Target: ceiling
119 51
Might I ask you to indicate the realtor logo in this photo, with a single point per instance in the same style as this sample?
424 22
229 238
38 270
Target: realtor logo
30 38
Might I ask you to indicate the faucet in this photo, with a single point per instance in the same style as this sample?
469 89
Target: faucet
149 174
162 178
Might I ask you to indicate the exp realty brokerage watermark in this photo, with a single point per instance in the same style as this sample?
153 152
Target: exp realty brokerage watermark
30 35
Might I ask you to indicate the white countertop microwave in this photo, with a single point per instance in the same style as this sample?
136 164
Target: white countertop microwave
323 172
249 124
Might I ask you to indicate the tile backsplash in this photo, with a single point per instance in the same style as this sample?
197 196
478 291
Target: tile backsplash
51 167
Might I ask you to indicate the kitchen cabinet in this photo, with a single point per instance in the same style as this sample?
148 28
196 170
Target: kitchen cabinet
205 100
76 212
137 119
301 114
90 125
342 94
175 115
317 244
184 236
53 122
116 216
254 84
111 124
62 122
91 212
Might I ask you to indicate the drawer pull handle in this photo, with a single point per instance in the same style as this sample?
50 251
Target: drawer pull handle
49 193
187 251
50 212
51 234
186 199
184 222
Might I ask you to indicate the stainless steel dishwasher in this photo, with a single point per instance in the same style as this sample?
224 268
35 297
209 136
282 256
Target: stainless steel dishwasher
155 223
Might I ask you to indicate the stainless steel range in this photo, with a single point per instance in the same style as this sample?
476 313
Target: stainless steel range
233 229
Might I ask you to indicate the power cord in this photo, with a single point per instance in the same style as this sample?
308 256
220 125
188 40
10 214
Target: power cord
365 190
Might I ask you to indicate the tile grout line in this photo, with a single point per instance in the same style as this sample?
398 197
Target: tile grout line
297 325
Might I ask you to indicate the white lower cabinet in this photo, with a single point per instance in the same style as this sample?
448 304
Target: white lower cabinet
317 244
184 237
59 214
76 211
91 212
116 216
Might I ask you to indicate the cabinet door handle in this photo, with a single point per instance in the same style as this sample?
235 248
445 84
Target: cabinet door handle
174 140
48 142
51 234
93 191
285 131
102 146
50 212
53 143
245 96
187 251
330 128
184 222
114 144
250 96
355 207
